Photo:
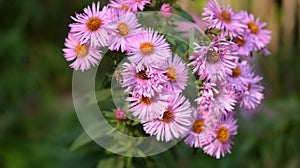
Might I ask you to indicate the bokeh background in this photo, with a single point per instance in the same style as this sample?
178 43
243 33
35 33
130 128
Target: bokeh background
37 119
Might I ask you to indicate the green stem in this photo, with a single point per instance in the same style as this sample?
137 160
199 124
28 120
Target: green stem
128 162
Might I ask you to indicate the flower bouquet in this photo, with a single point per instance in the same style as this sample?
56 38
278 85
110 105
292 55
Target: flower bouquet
159 77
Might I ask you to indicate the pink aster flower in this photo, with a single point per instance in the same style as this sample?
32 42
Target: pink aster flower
147 109
206 97
136 5
216 100
213 61
177 75
91 25
245 45
166 10
141 80
196 136
83 55
259 36
174 122
124 26
223 18
253 95
119 4
240 76
148 48
220 140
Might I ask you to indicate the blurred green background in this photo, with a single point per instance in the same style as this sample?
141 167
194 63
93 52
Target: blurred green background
38 123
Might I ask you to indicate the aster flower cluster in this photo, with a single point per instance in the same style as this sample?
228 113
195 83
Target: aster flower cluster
228 79
244 30
97 28
154 78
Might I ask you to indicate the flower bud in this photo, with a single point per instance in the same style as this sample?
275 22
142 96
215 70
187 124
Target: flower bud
120 114
166 10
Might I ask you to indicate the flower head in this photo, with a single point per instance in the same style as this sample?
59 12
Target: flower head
258 36
196 136
91 26
119 4
143 80
245 46
216 99
223 18
83 55
253 95
174 122
136 5
177 75
146 108
124 26
213 61
148 47
220 136
240 76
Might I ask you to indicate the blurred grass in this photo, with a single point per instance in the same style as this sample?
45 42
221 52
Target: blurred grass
38 122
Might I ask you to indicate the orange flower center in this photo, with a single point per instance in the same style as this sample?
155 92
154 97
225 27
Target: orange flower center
94 23
223 134
213 56
125 7
147 48
142 75
236 72
240 41
138 0
145 100
253 27
123 29
168 116
198 126
81 50
171 74
225 16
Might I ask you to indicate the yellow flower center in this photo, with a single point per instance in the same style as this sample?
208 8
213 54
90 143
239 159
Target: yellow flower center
213 56
223 134
171 74
225 16
94 23
240 41
142 75
147 48
81 50
168 116
123 29
198 126
125 7
145 100
253 27
236 72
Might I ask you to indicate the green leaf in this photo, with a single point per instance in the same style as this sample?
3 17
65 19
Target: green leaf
103 94
183 14
81 140
171 40
84 138
111 162
191 41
